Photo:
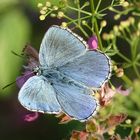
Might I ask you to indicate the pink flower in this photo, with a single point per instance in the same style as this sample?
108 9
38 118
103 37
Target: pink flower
22 79
106 94
32 60
63 118
93 43
79 135
31 117
116 119
124 92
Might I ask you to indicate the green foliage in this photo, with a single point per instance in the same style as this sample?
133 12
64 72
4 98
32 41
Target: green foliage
14 34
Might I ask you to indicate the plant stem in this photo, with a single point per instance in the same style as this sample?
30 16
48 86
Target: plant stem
94 21
79 13
122 56
82 11
112 2
88 27
106 8
98 35
98 5
74 20
48 13
136 71
82 30
135 14
127 80
92 10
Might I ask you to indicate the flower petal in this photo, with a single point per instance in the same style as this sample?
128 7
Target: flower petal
93 43
22 79
31 117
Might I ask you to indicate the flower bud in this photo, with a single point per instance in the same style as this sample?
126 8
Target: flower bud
119 72
64 24
103 23
84 22
111 35
115 28
128 121
137 129
55 8
116 17
124 24
131 20
115 68
60 14
86 3
139 25
52 15
105 36
122 1
48 4
42 12
42 17
125 4
44 8
111 131
39 5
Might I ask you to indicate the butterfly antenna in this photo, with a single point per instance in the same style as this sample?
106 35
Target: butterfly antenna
19 55
8 85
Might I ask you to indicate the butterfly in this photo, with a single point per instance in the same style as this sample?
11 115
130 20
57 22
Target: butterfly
67 74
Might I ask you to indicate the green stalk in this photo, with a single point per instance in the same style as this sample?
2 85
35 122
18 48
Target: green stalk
79 13
98 5
136 71
75 20
92 10
112 2
88 27
82 30
94 21
127 80
122 56
106 8
82 11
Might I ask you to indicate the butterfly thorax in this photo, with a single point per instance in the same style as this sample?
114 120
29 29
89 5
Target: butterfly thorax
53 75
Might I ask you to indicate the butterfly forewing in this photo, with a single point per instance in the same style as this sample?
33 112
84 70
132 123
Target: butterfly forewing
59 46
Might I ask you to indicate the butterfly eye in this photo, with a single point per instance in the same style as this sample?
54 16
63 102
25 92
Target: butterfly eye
37 71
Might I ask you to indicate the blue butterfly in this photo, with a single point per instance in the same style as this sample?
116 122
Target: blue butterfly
66 77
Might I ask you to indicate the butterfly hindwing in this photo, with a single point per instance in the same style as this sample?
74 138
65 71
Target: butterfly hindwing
75 100
38 95
59 46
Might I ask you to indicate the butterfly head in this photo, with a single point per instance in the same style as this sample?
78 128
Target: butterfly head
37 70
